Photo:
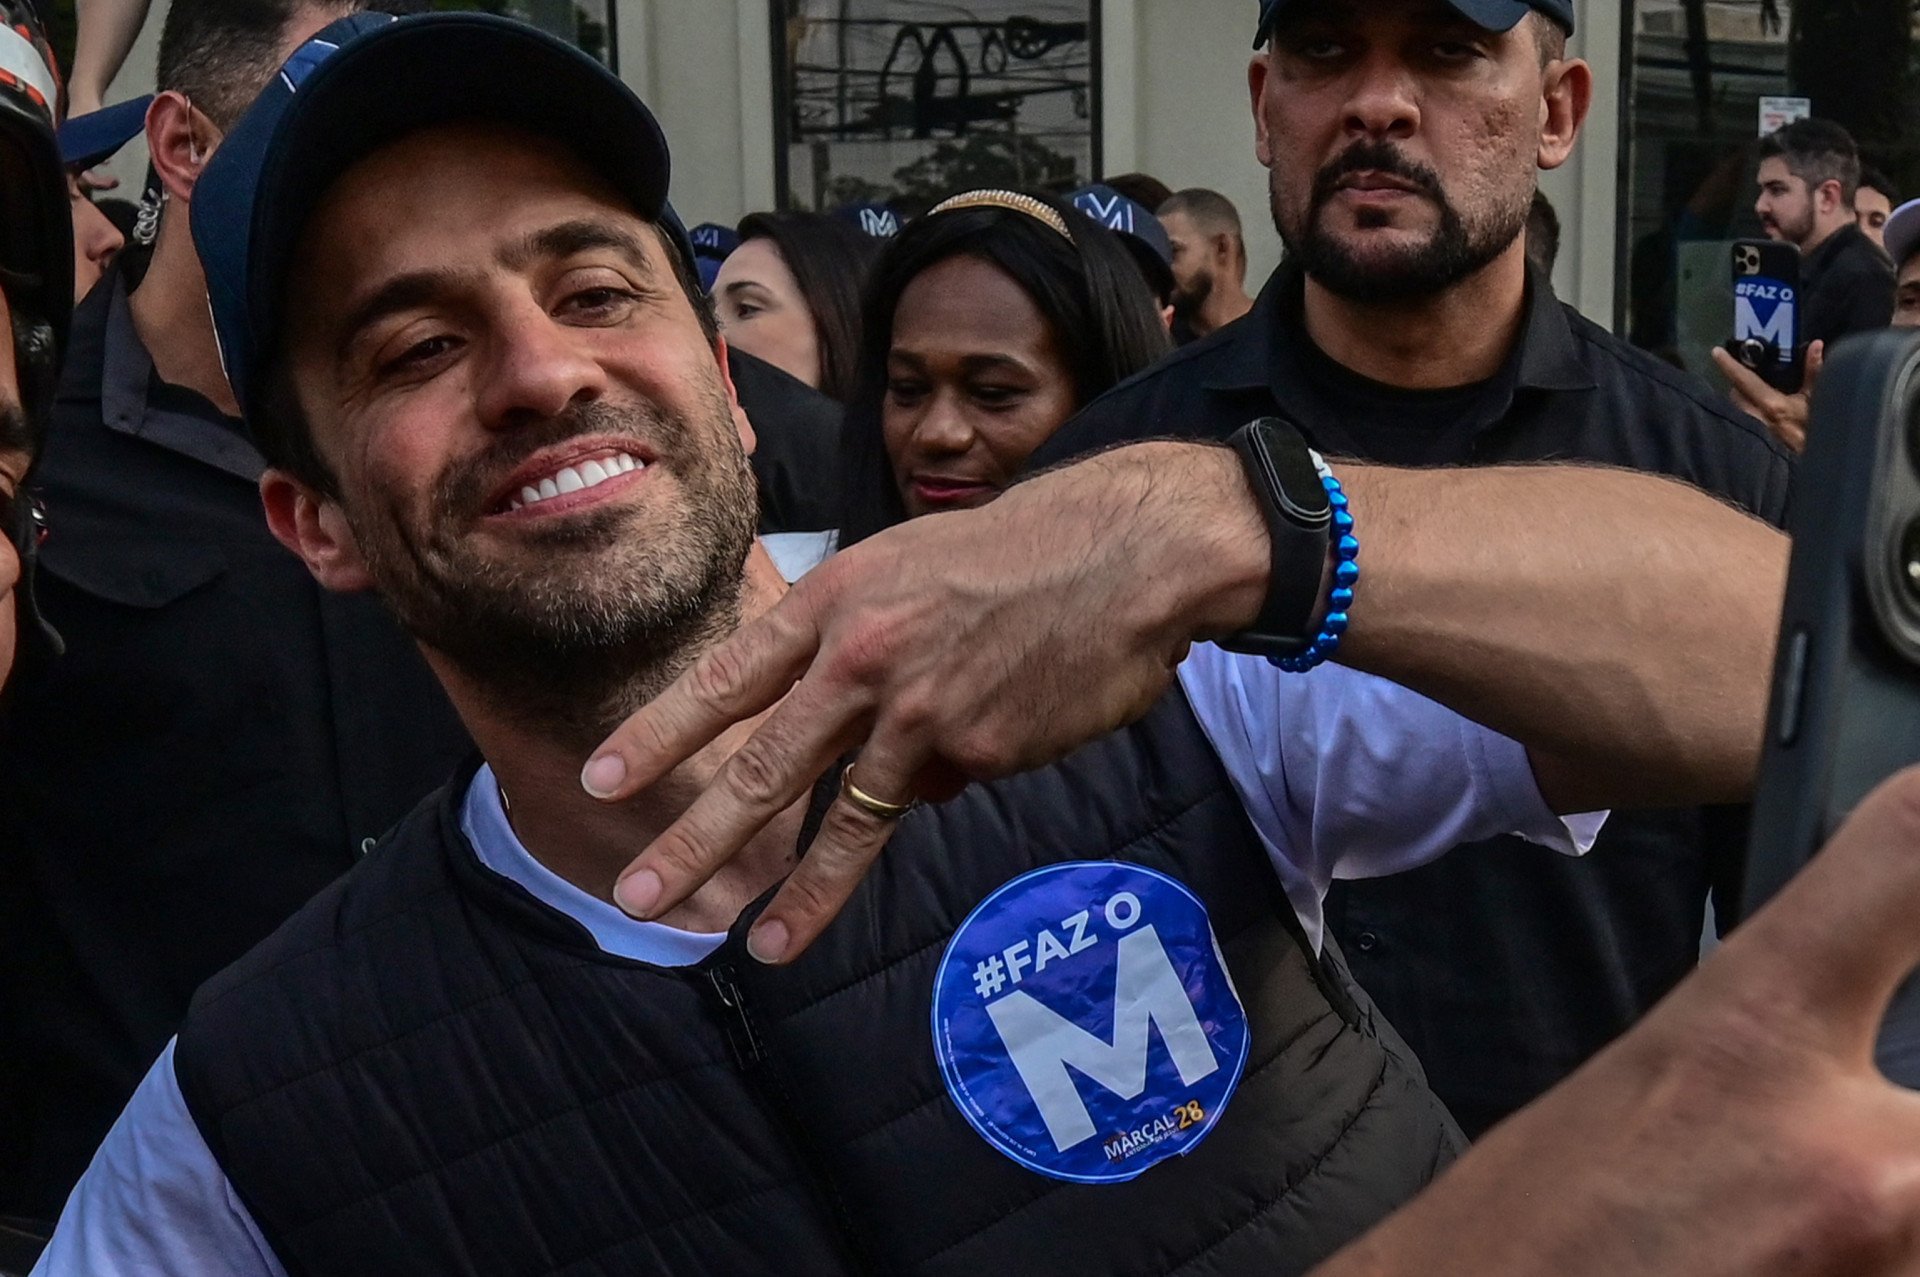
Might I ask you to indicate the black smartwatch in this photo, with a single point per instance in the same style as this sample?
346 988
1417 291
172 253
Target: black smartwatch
1299 518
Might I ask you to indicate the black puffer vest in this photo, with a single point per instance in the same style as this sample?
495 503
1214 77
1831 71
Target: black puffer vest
426 1071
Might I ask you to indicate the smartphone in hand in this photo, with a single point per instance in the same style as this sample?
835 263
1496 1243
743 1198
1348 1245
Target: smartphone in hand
1845 712
1766 312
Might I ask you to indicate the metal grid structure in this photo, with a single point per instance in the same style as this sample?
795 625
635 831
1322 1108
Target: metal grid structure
902 100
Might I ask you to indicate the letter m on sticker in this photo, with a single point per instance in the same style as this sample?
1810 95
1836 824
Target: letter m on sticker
1042 1043
1777 327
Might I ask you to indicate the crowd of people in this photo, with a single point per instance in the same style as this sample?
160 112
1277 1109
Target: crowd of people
548 739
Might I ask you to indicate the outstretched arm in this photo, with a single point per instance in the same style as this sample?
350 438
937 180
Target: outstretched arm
1620 625
1740 1128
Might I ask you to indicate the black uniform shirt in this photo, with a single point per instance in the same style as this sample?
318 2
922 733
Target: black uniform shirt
1504 967
797 457
221 740
1847 286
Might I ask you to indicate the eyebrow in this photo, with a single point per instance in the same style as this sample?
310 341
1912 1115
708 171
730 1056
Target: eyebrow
579 236
418 288
402 292
987 363
968 363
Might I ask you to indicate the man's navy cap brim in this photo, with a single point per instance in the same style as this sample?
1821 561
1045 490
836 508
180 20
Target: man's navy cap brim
1903 232
389 79
1494 15
87 140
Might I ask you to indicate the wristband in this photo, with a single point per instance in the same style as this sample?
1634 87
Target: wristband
1346 575
1294 504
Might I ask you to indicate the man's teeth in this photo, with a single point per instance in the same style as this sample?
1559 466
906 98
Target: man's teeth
588 474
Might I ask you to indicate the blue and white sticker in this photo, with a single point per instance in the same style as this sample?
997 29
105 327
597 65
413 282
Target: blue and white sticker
1085 1022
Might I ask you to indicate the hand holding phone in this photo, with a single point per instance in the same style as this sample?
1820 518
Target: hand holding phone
1766 312
1784 413
1845 713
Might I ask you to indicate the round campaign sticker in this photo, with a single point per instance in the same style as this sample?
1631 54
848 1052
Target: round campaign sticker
1085 1021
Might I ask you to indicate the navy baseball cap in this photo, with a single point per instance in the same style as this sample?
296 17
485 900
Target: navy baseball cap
1494 15
365 82
877 220
712 245
86 140
1903 232
1137 228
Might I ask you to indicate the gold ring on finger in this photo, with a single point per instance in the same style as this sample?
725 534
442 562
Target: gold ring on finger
878 807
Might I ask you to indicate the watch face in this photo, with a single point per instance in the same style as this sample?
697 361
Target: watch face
1303 498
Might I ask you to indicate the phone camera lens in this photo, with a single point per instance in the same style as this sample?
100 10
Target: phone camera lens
1910 559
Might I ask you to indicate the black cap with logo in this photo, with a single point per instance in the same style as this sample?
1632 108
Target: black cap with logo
365 81
1494 15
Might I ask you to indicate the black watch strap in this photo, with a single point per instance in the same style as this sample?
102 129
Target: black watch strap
1299 517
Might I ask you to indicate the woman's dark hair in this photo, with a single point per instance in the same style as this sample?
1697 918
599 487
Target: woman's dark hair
829 259
1104 321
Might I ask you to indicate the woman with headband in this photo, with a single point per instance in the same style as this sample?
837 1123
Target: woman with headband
989 322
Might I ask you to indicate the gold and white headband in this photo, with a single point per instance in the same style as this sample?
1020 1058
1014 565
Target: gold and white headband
1013 201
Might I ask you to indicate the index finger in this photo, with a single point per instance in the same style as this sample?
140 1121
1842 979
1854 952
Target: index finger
1747 386
1839 939
1816 360
753 668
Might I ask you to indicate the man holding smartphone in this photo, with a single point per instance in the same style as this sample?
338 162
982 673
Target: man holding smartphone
1809 175
1404 143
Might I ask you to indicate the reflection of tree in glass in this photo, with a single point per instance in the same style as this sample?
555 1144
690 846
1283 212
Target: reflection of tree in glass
985 159
845 189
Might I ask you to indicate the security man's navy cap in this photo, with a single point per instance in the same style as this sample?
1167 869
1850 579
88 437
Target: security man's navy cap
1494 15
87 140
1137 227
367 81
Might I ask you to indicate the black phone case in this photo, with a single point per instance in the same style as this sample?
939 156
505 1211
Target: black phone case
1770 260
1845 709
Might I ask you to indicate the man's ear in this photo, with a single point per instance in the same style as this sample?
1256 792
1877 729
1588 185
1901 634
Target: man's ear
180 140
315 528
1257 72
748 440
1566 97
1830 196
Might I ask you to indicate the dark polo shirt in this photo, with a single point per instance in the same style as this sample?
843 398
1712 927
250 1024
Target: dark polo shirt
1847 286
1504 968
221 740
796 460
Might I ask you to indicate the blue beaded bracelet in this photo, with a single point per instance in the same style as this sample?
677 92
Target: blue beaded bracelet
1346 574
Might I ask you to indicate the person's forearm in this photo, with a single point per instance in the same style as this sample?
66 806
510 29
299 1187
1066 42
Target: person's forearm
1619 621
1618 624
107 30
1614 620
